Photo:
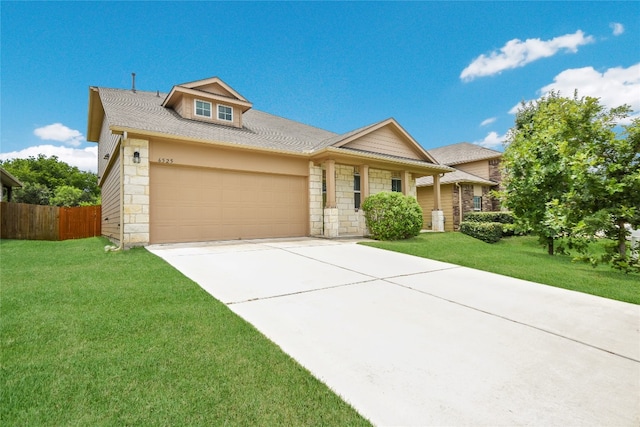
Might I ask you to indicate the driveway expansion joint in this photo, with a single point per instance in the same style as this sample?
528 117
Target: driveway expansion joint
300 292
514 321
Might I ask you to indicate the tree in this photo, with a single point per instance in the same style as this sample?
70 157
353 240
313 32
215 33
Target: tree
566 174
607 189
32 193
52 173
66 195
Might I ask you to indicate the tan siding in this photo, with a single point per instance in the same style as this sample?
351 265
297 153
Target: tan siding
106 145
111 203
480 168
425 200
384 140
199 204
215 88
211 156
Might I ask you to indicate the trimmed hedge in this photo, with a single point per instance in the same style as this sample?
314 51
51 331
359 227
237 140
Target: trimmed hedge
501 217
489 232
392 216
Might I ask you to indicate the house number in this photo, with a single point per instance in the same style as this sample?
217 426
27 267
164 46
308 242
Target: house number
165 160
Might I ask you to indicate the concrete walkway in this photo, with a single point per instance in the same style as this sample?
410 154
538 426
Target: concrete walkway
411 341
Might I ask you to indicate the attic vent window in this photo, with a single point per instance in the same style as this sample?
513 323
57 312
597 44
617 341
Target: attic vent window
225 113
203 108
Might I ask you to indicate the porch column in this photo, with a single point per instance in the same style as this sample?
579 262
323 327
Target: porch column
436 192
364 181
330 168
406 180
437 216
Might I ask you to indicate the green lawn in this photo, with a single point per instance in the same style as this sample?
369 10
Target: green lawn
523 258
95 338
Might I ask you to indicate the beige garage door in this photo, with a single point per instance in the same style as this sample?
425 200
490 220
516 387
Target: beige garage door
197 204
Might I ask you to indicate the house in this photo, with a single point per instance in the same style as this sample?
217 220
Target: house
8 182
477 173
200 164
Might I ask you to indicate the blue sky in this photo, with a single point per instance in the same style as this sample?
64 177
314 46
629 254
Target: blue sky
446 71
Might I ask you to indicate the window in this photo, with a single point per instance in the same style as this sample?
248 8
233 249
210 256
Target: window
356 190
203 108
225 113
477 197
396 184
477 203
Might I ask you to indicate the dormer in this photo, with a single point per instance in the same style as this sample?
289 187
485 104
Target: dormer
210 100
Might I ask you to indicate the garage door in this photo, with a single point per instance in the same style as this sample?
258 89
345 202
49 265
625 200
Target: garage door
190 204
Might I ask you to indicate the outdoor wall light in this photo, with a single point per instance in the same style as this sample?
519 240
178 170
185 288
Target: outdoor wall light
136 157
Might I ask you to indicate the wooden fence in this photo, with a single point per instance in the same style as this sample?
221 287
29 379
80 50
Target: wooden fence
37 222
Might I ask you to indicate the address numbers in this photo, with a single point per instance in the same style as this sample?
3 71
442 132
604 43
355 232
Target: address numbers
165 160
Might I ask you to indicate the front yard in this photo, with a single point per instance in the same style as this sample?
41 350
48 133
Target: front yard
95 338
523 258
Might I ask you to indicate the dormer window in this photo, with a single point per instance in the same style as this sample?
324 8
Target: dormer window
225 113
203 108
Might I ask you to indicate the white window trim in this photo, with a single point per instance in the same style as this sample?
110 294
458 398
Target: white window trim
218 112
195 109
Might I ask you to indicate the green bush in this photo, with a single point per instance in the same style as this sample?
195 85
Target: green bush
501 217
489 232
392 216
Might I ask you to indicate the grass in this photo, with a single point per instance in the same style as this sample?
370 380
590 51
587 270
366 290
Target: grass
521 257
95 338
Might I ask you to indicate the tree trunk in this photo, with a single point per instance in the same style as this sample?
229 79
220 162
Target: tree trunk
550 245
622 240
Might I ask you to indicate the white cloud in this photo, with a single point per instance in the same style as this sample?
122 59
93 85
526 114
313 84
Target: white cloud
517 53
488 121
617 28
615 86
85 159
61 133
492 140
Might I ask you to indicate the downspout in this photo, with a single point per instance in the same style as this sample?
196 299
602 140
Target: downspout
459 203
122 140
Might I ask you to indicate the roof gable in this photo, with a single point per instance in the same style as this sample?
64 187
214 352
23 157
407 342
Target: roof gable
215 86
385 137
212 89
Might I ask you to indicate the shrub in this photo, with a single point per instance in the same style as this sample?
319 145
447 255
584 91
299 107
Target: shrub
501 217
489 232
392 216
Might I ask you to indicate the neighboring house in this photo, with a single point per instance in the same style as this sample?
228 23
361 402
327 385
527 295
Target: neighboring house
200 164
465 190
8 182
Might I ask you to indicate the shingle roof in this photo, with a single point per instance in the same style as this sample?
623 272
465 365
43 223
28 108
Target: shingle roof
144 111
462 152
453 177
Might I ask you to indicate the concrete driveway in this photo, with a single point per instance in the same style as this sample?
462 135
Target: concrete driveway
411 341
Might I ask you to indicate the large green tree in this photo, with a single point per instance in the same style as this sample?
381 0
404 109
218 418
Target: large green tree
50 173
567 173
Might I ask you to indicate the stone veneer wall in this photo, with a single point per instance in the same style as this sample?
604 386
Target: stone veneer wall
349 218
316 214
136 194
344 220
379 180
